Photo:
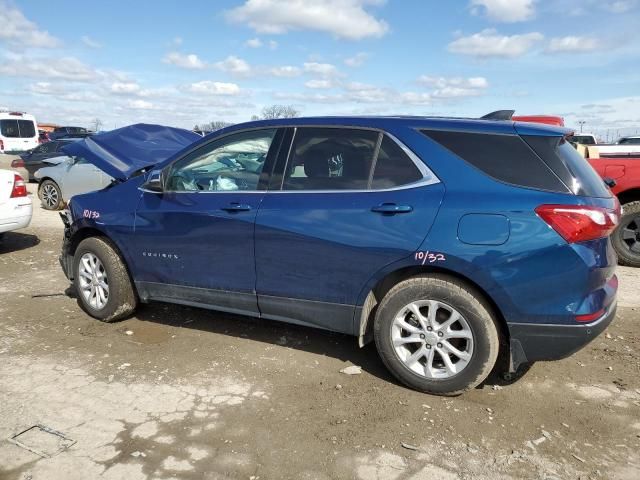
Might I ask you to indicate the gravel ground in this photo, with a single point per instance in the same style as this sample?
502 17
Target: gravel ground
177 392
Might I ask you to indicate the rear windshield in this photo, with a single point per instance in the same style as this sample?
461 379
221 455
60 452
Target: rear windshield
17 128
569 165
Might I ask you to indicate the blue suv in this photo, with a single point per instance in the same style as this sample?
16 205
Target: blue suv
458 245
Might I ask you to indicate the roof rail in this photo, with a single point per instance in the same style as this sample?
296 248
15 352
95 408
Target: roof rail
499 115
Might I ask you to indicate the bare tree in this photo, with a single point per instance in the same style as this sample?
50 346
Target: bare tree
212 126
97 124
279 111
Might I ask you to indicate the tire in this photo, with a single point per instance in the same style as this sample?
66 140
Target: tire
119 299
625 244
50 195
480 347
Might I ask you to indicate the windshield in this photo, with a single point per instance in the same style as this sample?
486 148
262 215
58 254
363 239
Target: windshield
17 128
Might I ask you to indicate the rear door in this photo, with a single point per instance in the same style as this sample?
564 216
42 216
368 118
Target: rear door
194 243
350 202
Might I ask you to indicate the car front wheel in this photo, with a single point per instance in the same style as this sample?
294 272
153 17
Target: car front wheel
102 282
436 335
50 195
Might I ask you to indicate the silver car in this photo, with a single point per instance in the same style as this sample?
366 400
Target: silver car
66 177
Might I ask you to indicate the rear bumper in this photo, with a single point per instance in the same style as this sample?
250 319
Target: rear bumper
537 342
15 215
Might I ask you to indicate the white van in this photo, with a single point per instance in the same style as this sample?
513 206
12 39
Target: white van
18 132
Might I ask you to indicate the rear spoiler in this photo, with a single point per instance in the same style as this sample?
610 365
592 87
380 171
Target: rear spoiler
499 115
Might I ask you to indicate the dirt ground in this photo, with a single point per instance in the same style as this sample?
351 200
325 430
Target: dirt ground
177 392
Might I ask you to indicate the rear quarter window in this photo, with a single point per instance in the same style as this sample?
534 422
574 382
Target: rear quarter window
569 165
506 158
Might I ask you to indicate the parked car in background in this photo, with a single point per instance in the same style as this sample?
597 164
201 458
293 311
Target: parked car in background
37 158
452 243
15 205
544 119
18 132
61 132
629 141
68 176
625 171
583 139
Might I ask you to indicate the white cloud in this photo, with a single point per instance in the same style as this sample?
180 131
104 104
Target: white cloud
454 87
190 61
66 68
124 88
507 11
342 18
254 43
489 43
19 31
89 42
214 88
444 82
319 84
357 60
140 104
620 6
285 71
321 69
234 66
572 44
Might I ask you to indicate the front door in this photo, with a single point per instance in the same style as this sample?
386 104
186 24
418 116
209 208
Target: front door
352 201
194 243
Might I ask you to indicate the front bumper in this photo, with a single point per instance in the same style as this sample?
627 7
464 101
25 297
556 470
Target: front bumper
532 342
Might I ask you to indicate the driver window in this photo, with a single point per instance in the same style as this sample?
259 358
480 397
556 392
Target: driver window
229 164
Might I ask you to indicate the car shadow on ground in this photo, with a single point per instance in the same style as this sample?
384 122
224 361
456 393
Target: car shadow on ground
14 242
307 339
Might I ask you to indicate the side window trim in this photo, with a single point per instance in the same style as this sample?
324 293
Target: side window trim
428 176
261 187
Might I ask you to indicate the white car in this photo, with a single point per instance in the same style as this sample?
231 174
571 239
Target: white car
15 206
18 132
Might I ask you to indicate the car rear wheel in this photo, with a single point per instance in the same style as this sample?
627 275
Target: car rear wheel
50 195
626 238
436 335
102 281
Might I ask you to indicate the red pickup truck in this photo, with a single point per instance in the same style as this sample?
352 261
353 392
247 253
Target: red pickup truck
625 171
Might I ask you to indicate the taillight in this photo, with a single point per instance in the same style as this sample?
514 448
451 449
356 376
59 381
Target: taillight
1 145
17 163
579 223
19 187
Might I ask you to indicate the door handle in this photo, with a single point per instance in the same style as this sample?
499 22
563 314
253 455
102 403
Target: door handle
392 208
237 207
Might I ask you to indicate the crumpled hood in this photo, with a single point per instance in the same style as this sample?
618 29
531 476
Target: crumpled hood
126 150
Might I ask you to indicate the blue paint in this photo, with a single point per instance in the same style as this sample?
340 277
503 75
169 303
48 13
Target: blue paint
331 247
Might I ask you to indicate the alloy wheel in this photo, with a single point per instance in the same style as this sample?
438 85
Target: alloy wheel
94 284
50 195
432 339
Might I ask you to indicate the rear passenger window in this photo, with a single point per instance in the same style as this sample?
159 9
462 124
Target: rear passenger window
330 159
393 167
506 158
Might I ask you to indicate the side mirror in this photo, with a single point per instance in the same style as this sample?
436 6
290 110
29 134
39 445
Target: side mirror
610 182
153 184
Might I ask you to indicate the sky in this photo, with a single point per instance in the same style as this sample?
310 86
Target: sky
184 63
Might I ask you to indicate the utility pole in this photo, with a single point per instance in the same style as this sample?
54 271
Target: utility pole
581 123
